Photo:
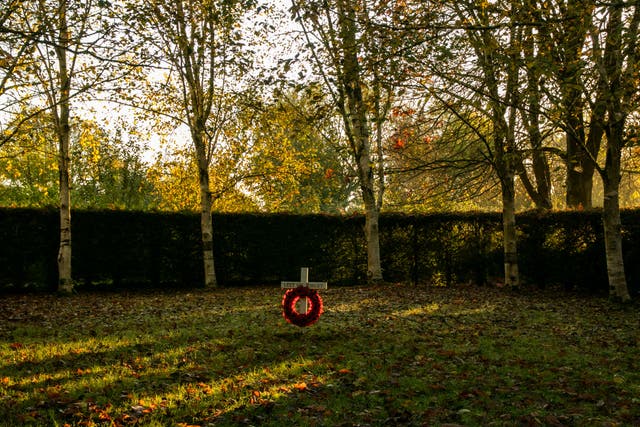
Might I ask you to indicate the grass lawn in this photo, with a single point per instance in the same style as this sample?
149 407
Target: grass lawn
394 355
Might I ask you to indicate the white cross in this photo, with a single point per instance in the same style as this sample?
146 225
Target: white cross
304 281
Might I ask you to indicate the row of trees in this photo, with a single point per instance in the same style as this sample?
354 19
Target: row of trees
509 75
397 102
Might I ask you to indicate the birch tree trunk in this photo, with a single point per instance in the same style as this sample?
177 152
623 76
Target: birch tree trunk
618 289
65 282
499 85
508 157
61 117
357 129
206 222
618 71
198 41
374 267
347 54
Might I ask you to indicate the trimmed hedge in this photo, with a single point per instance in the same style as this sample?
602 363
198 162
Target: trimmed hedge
124 249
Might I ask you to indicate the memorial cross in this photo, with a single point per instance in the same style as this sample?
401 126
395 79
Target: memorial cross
304 281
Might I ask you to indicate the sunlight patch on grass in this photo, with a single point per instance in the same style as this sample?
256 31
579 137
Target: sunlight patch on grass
419 310
259 388
479 311
445 309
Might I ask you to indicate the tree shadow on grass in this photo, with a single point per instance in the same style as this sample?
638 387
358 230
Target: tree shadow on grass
74 388
61 381
387 356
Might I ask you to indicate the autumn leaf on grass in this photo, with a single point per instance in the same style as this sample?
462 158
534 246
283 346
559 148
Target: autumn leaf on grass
80 372
16 345
206 388
300 386
103 414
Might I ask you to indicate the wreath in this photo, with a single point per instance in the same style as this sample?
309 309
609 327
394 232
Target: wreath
314 309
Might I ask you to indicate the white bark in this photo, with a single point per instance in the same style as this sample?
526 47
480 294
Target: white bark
618 289
357 129
61 117
509 236
206 222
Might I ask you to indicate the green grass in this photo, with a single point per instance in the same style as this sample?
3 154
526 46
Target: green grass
393 355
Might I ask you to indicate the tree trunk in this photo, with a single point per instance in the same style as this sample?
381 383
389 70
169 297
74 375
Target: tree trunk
580 167
579 181
507 159
579 188
206 222
374 270
357 129
567 54
613 245
61 117
618 289
543 180
540 190
509 236
579 175
619 84
540 194
65 283
372 213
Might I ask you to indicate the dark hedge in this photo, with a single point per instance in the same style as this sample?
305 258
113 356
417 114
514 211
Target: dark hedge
126 250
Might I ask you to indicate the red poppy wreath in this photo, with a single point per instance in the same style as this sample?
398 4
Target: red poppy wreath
314 310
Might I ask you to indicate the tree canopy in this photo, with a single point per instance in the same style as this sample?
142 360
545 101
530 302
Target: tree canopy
428 120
